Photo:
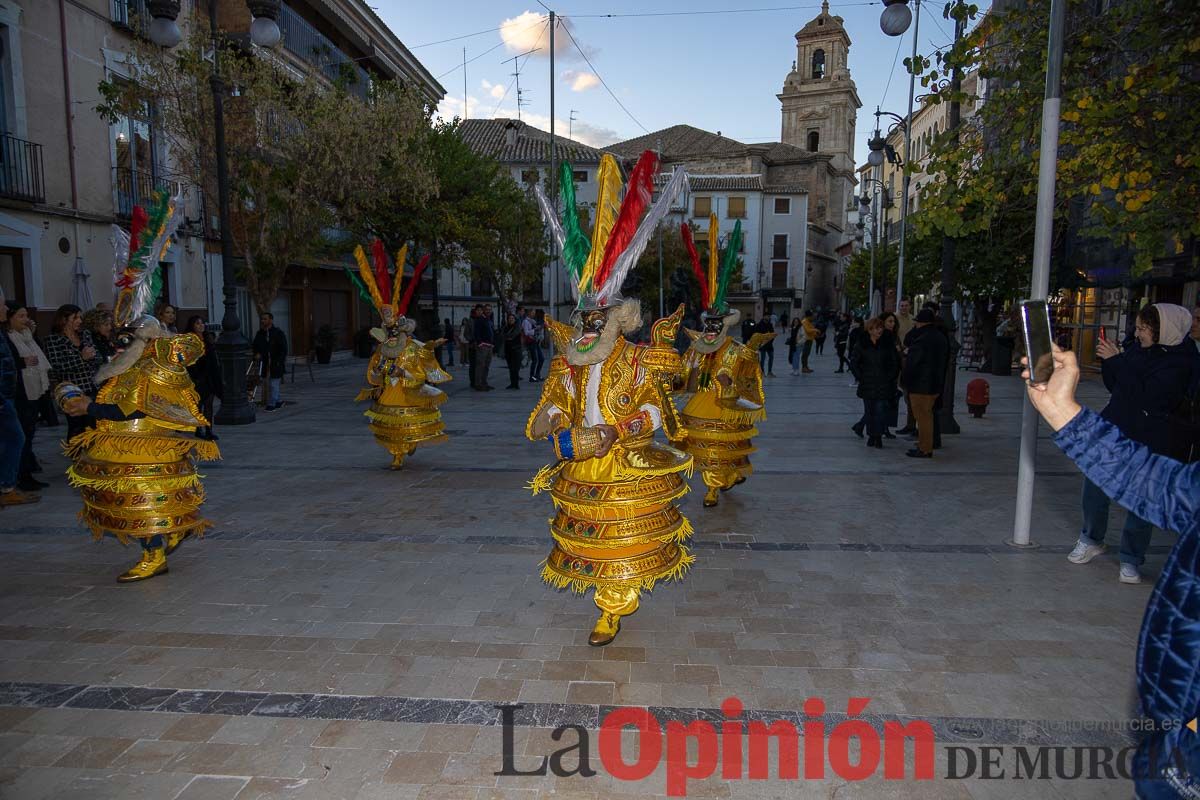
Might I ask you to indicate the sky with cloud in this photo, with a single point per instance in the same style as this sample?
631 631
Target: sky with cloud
624 68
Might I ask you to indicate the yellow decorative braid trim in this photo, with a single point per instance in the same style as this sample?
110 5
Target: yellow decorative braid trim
366 394
581 585
697 434
626 508
148 446
677 535
129 485
544 479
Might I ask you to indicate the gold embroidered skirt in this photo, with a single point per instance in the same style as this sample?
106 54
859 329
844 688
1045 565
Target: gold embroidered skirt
139 486
721 449
399 429
617 523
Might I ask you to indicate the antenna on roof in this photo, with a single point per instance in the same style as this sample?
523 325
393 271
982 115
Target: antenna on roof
571 124
517 74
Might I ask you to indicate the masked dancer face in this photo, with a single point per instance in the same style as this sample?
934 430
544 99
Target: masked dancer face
714 330
597 330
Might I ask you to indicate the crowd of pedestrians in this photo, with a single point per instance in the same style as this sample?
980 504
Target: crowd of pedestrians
519 340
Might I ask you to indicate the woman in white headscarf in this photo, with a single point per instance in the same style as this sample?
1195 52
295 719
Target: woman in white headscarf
1148 381
35 382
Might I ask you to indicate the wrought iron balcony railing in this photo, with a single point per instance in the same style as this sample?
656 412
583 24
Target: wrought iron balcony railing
22 176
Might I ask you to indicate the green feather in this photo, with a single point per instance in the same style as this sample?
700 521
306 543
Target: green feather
358 284
156 282
728 264
576 245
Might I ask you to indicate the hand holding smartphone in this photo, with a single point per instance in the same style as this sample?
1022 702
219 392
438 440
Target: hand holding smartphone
1035 326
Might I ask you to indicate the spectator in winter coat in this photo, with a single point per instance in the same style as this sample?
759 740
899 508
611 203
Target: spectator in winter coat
270 354
841 335
766 353
1147 382
1165 493
12 437
924 376
876 365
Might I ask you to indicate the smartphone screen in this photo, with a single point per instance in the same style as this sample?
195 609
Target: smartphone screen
1035 324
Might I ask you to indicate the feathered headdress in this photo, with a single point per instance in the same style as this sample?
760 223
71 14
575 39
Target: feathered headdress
375 283
622 228
136 253
714 282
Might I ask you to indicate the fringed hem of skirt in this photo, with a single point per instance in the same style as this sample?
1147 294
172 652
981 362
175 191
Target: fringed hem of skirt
581 585
150 446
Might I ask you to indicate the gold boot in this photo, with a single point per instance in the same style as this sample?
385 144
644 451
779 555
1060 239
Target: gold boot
605 629
154 562
614 602
397 461
174 540
710 497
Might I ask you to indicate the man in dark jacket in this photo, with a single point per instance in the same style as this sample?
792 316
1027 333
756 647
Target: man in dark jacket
12 437
924 374
1166 493
270 352
485 344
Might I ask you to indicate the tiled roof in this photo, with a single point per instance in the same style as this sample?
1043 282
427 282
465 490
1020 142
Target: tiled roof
489 137
785 188
725 183
679 140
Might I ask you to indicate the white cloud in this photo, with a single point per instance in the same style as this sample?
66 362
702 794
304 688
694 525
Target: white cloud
494 89
531 31
581 81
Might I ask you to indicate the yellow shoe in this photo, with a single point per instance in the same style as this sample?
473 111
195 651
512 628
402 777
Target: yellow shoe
397 461
174 540
154 562
605 630
710 497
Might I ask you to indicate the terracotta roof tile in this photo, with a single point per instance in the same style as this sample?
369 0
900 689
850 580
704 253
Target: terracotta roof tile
489 137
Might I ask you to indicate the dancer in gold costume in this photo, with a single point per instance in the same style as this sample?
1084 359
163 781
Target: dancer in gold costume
721 390
136 468
404 413
617 529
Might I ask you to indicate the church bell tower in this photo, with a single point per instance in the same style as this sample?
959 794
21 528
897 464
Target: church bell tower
819 100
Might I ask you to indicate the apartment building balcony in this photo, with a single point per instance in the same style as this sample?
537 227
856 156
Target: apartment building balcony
315 48
22 176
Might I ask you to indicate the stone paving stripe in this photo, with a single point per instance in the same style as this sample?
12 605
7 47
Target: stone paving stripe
948 730
542 541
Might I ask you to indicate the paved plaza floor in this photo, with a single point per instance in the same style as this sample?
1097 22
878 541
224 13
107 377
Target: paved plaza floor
347 632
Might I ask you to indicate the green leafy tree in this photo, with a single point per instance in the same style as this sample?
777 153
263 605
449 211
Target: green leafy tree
299 150
1131 106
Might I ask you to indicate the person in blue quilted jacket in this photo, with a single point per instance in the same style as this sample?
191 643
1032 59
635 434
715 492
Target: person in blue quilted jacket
1166 493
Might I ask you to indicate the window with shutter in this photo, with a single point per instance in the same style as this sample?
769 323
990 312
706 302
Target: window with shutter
702 207
737 208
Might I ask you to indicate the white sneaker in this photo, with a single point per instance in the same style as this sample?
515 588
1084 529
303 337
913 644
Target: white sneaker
1084 552
1129 574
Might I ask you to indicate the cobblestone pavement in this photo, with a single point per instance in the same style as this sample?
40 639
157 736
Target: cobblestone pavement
346 631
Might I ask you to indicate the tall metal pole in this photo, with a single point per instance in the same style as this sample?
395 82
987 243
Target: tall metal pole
912 87
236 408
876 207
554 287
466 104
949 245
1039 285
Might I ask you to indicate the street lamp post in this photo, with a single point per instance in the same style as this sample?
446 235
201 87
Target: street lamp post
871 205
894 22
236 408
946 420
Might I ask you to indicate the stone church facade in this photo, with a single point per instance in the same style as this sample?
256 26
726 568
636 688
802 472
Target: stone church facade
792 195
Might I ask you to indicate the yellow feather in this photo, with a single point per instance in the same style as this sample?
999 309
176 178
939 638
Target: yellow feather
608 205
401 255
714 254
368 275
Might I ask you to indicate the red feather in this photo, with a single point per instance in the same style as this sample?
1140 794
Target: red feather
138 221
409 290
690 244
382 280
637 197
